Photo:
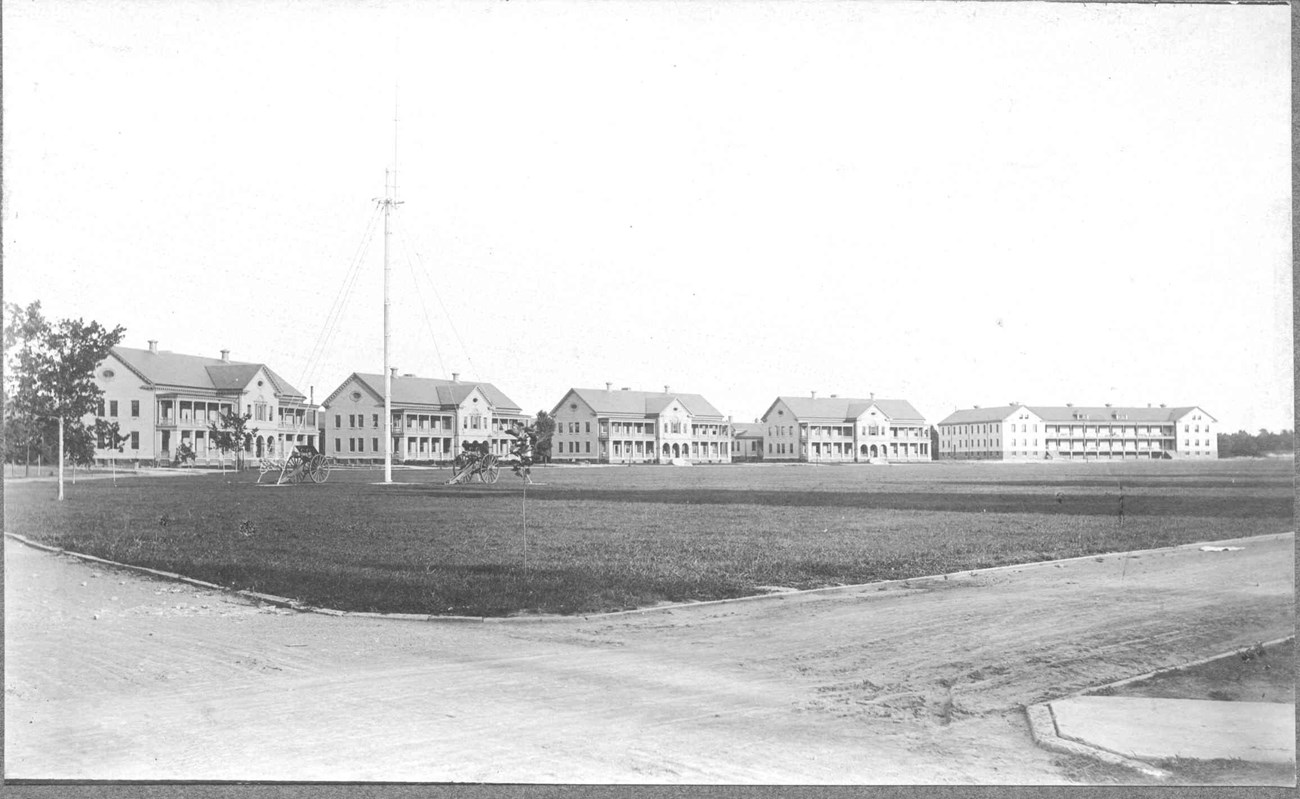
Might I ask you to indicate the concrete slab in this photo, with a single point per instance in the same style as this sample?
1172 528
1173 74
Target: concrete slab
1155 729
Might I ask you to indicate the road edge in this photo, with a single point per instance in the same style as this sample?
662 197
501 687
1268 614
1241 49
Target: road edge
302 607
1043 729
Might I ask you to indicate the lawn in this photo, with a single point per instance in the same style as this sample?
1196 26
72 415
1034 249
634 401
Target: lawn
609 538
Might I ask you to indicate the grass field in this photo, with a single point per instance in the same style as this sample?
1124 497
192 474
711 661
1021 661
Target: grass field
609 538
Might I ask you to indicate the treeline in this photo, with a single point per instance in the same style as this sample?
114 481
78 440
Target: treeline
1244 445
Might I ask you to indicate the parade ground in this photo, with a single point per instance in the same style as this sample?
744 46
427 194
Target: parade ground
116 675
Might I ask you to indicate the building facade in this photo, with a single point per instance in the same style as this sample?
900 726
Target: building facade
746 442
844 430
1025 433
432 418
161 400
628 426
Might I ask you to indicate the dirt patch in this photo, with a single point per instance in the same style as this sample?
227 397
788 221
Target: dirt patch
1252 674
121 677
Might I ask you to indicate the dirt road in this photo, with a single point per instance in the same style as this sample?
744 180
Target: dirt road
109 675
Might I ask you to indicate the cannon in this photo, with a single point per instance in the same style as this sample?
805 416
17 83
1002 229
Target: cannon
303 463
475 461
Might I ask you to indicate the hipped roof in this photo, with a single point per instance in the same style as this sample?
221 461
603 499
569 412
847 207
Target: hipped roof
163 368
431 391
1075 413
641 403
848 409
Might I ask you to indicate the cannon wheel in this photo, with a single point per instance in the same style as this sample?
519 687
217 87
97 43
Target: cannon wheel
317 469
491 471
326 464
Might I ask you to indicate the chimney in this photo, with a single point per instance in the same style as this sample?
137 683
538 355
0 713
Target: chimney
627 388
393 372
1108 405
668 389
835 396
1162 405
225 355
609 386
153 345
872 395
1069 404
814 395
455 377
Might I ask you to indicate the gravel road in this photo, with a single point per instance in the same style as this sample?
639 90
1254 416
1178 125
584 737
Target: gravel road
114 676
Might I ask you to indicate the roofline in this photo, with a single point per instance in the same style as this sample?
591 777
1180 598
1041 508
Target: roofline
133 370
326 402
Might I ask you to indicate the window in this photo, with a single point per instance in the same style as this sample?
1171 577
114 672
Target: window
588 445
374 420
99 411
338 421
374 442
135 408
338 445
588 427
112 407
135 440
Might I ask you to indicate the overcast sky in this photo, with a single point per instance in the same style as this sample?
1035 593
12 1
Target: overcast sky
955 204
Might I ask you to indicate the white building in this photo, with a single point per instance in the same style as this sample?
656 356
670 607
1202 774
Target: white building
1038 432
162 400
625 426
844 430
432 418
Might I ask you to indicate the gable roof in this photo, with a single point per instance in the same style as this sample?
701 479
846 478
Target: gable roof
1067 413
1053 413
746 430
847 409
978 415
428 391
639 403
163 368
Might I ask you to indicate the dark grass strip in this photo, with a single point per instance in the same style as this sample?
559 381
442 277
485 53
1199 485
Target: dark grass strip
1077 505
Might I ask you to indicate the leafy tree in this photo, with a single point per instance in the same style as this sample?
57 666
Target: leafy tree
107 435
229 433
52 366
1244 445
544 428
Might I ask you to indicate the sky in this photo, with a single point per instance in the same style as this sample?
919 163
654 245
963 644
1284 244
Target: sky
955 204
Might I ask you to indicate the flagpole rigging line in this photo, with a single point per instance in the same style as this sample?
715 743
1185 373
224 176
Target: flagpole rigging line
329 327
447 315
424 308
